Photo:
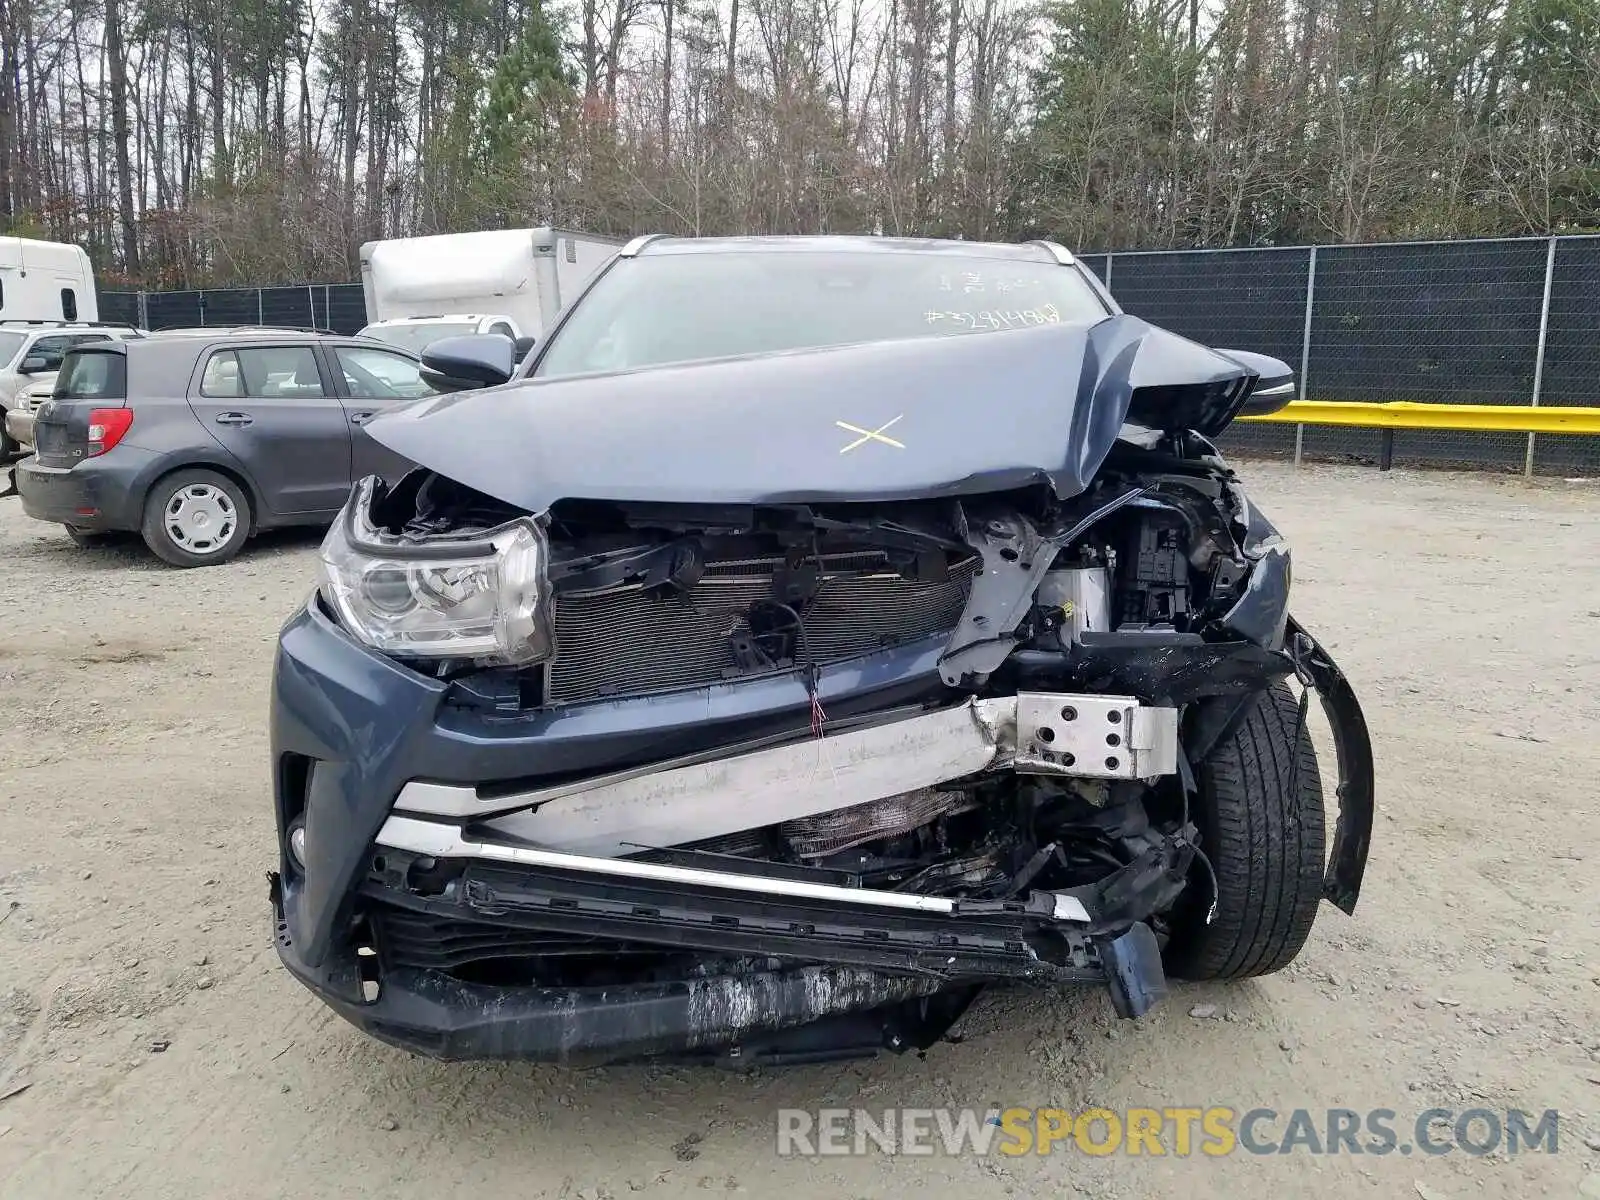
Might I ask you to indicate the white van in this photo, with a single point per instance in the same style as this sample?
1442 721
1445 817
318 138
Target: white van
45 281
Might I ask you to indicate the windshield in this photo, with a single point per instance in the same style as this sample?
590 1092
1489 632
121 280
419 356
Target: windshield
10 343
416 337
673 308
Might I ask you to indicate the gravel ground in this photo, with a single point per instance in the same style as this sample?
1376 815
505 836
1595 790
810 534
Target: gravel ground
165 1053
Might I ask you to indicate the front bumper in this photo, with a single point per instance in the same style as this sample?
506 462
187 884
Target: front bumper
384 764
747 1018
862 979
354 733
351 728
19 427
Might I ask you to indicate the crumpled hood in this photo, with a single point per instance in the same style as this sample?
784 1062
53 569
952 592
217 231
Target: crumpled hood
881 421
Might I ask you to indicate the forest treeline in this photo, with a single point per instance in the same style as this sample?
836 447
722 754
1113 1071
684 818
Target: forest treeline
214 142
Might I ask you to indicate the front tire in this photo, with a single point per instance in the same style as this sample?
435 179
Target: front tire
1259 811
196 518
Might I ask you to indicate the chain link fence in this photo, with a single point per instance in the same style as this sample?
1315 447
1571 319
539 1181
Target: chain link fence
336 306
1513 321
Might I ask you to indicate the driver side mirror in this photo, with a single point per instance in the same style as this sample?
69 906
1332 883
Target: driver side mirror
1275 382
37 364
461 364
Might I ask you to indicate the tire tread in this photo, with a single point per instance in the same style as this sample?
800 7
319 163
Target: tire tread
1260 811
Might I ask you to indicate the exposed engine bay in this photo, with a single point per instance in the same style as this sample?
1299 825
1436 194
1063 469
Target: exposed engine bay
1021 811
1159 556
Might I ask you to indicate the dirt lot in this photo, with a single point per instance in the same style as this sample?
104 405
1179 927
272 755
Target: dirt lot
167 1054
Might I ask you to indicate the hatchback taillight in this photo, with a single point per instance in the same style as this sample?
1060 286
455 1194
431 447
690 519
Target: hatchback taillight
107 427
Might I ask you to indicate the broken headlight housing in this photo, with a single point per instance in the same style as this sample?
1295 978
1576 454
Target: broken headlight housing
482 596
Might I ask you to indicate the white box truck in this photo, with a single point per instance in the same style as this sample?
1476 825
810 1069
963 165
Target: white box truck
45 281
508 281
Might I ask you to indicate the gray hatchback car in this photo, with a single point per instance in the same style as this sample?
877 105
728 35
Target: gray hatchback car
197 438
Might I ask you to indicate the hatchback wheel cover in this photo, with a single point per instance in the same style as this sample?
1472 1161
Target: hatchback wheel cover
200 518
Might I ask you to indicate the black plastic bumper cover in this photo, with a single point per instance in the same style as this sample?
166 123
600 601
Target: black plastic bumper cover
433 1014
848 959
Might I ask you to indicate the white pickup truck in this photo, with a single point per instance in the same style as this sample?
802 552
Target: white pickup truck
30 355
47 302
506 281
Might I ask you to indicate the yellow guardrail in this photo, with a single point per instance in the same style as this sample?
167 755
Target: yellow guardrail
1407 414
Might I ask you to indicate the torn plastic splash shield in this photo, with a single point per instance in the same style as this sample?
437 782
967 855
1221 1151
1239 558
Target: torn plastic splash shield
1353 747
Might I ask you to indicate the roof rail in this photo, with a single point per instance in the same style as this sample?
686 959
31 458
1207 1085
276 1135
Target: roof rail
631 250
252 328
280 329
52 323
1057 251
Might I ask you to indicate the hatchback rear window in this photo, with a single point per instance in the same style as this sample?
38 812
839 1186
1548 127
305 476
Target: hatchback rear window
93 374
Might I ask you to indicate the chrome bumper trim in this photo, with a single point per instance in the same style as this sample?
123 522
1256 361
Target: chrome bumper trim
447 841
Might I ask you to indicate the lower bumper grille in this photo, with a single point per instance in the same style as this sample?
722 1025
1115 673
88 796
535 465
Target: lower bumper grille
502 954
625 641
430 943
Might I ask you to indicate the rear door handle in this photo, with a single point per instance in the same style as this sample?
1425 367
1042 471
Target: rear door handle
234 418
361 418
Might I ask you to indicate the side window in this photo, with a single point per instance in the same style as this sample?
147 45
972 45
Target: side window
69 304
279 372
379 375
221 377
46 352
503 330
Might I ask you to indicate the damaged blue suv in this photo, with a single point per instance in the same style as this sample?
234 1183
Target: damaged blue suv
808 633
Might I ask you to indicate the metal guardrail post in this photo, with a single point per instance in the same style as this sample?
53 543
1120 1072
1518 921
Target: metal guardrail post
261 309
311 303
1538 361
1107 279
1305 348
142 310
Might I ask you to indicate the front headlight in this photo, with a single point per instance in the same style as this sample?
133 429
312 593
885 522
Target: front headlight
481 596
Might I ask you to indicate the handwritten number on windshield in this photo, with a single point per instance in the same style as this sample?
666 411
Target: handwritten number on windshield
986 319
